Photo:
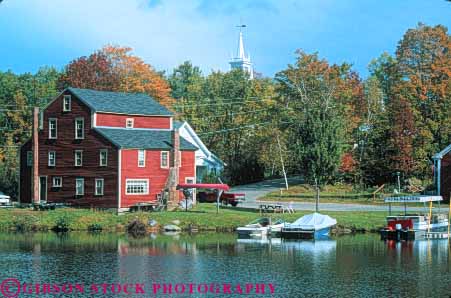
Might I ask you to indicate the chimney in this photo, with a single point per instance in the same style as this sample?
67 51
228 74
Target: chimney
35 150
174 175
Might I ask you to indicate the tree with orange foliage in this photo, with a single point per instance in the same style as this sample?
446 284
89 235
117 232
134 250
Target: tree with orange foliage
424 64
137 76
116 69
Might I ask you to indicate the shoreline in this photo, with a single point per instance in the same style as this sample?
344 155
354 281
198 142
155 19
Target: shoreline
202 218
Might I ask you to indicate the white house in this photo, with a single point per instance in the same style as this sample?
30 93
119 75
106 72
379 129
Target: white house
206 162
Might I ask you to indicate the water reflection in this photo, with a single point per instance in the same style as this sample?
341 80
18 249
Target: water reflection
358 265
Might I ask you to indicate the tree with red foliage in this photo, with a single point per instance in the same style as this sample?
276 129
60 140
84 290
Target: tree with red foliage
116 69
402 135
93 72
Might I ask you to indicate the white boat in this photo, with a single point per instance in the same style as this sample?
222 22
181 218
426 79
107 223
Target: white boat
414 226
261 227
310 226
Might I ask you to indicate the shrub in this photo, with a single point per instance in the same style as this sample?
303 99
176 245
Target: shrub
62 224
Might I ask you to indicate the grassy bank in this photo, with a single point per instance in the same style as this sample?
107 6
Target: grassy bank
202 216
329 194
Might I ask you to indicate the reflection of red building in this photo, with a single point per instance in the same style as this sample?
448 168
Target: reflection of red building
105 149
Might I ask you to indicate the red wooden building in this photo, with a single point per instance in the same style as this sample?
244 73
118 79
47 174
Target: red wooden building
105 150
442 173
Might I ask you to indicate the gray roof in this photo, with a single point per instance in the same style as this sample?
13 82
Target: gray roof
119 102
143 138
442 153
177 124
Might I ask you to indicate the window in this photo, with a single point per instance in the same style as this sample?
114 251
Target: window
99 187
78 158
79 128
66 103
29 158
141 158
79 186
103 158
52 128
52 158
57 182
137 186
164 159
129 123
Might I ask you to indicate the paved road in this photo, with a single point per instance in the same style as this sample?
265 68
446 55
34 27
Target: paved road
257 190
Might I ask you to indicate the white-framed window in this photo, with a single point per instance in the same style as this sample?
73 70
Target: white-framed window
79 186
137 186
78 157
57 181
99 186
52 159
141 158
53 129
129 122
103 157
164 159
29 158
67 103
79 128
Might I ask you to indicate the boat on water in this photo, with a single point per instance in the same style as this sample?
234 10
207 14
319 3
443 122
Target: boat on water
310 226
414 225
261 227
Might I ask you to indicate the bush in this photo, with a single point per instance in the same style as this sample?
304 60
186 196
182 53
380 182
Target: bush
62 224
94 227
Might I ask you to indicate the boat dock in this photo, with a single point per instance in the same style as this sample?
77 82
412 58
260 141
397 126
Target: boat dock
436 235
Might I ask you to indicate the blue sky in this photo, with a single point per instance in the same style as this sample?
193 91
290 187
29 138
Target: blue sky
165 33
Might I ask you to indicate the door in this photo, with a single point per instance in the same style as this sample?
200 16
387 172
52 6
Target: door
190 180
42 188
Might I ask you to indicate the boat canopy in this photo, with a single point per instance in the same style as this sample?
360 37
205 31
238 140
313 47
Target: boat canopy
224 187
314 221
413 199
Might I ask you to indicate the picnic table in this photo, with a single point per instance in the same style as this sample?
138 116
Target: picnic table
275 208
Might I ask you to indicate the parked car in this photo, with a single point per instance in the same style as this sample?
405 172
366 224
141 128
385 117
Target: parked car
226 198
4 199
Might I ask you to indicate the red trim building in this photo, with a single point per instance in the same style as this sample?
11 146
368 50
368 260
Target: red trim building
104 150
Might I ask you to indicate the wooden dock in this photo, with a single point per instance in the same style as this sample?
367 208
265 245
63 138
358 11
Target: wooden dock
436 235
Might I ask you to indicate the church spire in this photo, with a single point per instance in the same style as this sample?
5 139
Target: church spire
241 61
241 53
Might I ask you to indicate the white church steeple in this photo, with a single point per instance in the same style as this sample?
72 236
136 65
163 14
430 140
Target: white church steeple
241 61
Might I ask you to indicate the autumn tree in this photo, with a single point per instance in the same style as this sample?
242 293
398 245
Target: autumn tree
116 69
319 95
424 64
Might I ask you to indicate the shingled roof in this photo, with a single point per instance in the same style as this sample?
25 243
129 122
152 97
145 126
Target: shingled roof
143 138
119 102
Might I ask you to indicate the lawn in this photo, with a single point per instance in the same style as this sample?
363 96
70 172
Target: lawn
343 193
203 216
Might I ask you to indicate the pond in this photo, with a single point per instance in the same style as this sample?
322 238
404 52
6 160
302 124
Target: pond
220 265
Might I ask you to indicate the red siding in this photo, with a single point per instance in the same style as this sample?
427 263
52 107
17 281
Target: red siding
445 177
152 171
64 146
25 175
115 120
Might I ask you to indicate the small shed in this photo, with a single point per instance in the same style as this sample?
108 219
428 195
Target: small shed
442 173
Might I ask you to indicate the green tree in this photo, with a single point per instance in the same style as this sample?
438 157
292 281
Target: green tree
313 89
183 78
